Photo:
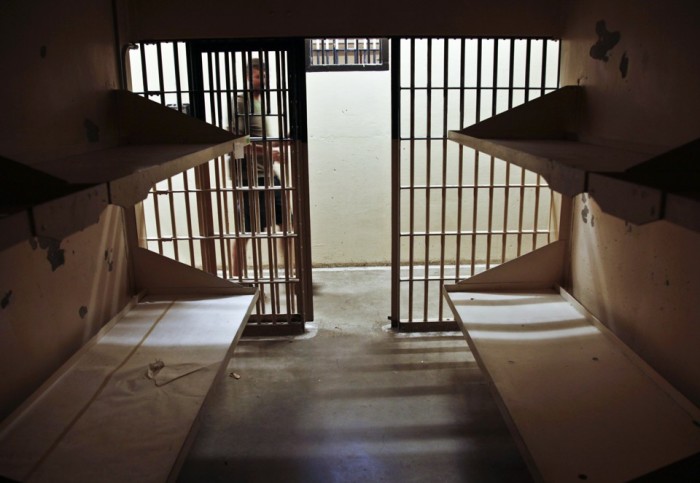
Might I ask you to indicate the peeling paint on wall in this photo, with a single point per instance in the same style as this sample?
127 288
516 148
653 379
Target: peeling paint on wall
83 312
6 299
54 253
584 213
606 41
92 131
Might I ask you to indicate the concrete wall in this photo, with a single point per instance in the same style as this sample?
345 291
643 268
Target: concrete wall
349 120
640 280
58 64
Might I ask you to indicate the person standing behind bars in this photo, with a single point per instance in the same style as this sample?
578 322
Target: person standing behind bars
250 119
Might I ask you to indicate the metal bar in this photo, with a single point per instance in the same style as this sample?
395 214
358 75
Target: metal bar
460 189
188 212
412 167
286 199
475 193
178 84
300 135
159 55
227 167
428 159
144 74
492 168
403 188
528 59
267 170
158 228
543 79
443 208
395 178
504 239
537 212
274 271
173 225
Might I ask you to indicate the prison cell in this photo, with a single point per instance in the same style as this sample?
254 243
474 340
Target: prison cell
455 211
197 217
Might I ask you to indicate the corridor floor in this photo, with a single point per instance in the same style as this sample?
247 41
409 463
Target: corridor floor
351 401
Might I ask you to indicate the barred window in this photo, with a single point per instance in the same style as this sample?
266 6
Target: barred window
347 54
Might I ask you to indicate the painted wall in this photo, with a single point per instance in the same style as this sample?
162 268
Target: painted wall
349 120
58 63
55 296
642 281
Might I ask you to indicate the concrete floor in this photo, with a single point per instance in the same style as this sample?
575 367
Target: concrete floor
352 402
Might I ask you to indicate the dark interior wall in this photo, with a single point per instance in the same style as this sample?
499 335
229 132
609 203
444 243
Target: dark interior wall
642 281
58 63
183 19
641 90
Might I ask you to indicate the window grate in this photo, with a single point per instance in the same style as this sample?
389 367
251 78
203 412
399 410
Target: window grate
342 54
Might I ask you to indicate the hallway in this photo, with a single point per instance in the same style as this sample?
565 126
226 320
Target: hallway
351 401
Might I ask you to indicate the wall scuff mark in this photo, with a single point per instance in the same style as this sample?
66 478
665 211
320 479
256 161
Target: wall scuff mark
606 41
6 299
54 253
624 65
584 213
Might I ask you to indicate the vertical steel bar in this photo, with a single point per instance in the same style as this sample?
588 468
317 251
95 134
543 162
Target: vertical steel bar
475 194
395 179
506 204
428 174
173 225
161 88
269 184
460 176
188 213
492 166
528 59
156 208
282 161
178 83
412 183
443 207
144 73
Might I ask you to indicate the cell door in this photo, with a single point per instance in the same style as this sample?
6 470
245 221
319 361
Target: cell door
455 211
243 216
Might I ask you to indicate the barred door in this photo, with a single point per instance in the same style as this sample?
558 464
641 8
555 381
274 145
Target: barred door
455 211
243 216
